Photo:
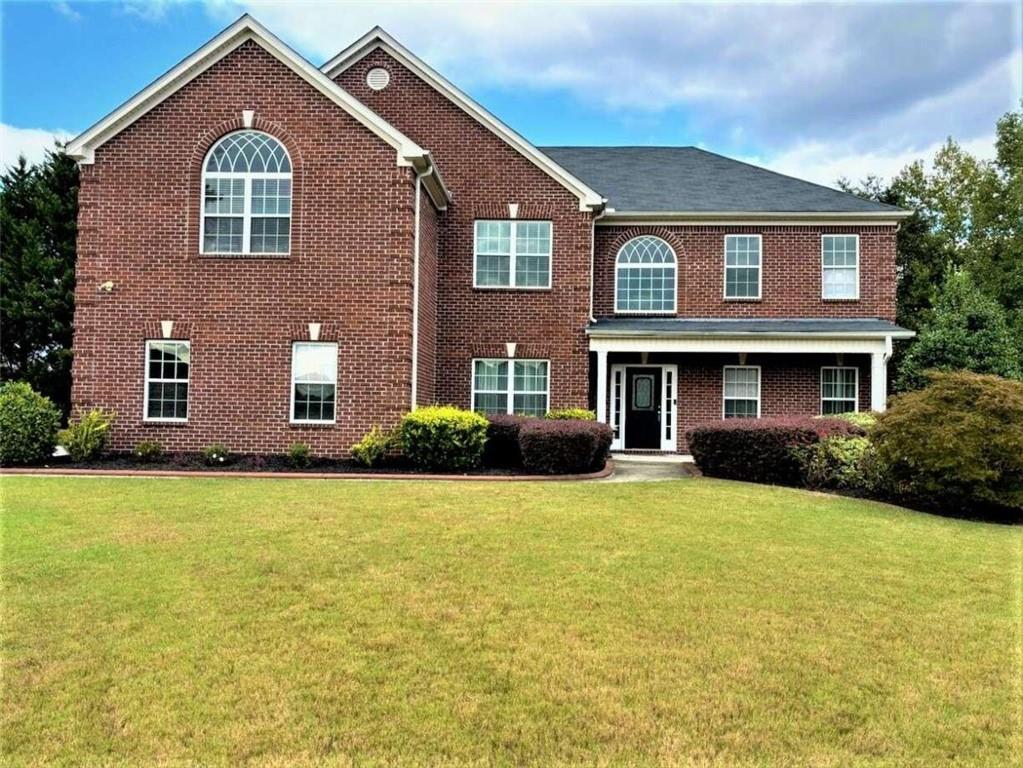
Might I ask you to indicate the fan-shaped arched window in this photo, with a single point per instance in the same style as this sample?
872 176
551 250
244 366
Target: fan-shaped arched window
246 206
645 276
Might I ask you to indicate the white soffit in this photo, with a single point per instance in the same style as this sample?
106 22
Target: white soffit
246 28
377 38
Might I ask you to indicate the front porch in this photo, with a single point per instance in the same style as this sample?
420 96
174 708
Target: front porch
656 378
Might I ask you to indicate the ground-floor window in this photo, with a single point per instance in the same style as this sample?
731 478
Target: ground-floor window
741 392
839 388
511 386
166 393
313 381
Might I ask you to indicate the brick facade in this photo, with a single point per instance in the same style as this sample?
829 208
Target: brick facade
351 269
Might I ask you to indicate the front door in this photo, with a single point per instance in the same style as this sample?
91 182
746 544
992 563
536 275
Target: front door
643 408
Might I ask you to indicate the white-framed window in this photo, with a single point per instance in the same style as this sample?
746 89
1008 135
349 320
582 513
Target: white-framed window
313 382
511 386
840 388
512 254
645 277
167 373
742 266
741 392
246 205
840 266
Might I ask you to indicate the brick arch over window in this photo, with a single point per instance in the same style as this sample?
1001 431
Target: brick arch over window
197 166
608 257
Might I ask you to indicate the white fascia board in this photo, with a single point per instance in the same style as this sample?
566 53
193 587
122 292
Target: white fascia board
246 28
712 344
596 333
760 218
377 38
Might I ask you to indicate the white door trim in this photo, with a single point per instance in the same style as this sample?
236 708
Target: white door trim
669 404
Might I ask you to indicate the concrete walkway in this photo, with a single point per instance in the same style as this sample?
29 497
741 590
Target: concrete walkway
650 468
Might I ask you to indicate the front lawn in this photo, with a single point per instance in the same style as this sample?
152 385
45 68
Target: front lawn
150 621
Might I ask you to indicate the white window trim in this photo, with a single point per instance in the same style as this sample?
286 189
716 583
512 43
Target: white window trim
291 406
760 385
512 255
856 297
148 380
247 214
510 391
856 398
617 266
760 270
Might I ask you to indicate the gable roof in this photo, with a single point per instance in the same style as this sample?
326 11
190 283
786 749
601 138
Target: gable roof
685 180
377 38
246 28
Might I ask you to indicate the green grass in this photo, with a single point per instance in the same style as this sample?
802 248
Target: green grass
320 622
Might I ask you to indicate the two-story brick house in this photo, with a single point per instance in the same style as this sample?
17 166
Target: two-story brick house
273 253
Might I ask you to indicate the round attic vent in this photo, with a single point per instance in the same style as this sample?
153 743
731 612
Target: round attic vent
378 78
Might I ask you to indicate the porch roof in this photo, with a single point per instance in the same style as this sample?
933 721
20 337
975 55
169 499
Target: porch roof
684 327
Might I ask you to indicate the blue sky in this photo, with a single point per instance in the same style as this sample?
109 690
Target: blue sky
815 90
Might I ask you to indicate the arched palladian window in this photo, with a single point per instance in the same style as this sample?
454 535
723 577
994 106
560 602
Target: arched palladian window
645 276
246 208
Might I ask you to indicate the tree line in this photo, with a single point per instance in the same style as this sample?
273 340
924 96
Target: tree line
959 264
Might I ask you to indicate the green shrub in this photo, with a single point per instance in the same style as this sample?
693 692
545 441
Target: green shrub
444 438
28 424
573 414
957 444
147 451
562 447
216 455
299 455
373 447
834 463
865 420
86 439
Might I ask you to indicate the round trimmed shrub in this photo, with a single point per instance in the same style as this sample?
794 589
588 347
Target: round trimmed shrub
502 448
562 447
443 438
28 424
573 414
957 444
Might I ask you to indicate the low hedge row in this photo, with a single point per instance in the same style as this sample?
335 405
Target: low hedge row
760 450
556 446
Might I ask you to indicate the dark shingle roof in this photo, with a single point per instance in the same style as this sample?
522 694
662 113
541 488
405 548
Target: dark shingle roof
687 179
682 326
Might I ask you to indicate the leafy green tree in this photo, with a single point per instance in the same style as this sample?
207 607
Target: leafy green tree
38 226
967 332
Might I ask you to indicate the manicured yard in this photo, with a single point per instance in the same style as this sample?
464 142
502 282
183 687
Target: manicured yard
689 622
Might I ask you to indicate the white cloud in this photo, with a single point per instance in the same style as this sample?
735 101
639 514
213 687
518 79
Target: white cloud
30 142
65 10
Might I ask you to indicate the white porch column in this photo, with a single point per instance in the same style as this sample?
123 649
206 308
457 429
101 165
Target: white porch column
879 376
602 386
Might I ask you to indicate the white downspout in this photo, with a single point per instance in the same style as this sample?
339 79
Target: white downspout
415 299
593 248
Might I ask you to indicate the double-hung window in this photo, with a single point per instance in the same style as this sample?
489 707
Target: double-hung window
511 386
742 266
840 266
512 254
645 276
839 387
246 207
167 369
741 392
313 382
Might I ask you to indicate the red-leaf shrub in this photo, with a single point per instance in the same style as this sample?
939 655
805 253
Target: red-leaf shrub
563 447
760 450
502 448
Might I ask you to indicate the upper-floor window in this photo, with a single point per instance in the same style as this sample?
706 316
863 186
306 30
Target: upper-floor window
839 387
166 393
510 386
246 207
512 254
742 266
840 266
645 276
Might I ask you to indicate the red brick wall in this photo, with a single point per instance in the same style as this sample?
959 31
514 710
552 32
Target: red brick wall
484 175
789 384
349 268
790 271
426 385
